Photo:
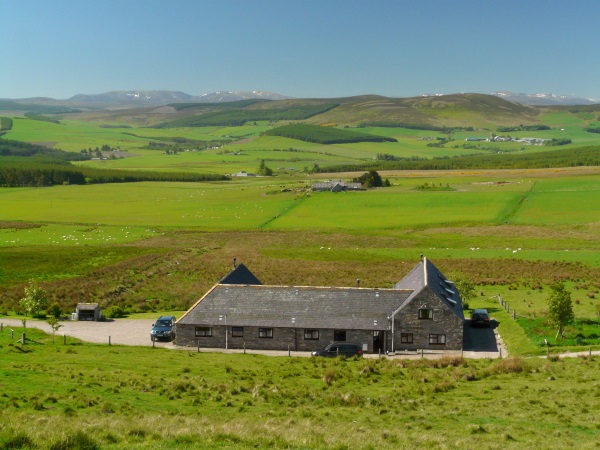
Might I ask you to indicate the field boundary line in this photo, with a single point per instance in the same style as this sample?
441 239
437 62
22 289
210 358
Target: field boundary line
285 211
512 212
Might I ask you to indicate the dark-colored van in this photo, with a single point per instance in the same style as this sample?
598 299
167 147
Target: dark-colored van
480 318
339 349
163 329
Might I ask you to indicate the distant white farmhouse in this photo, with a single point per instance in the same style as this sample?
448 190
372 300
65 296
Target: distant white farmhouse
243 173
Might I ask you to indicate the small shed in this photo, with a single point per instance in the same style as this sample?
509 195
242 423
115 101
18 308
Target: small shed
88 311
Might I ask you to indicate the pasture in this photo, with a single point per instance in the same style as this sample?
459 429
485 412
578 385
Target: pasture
244 146
58 396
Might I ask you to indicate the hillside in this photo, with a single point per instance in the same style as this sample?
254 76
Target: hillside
457 110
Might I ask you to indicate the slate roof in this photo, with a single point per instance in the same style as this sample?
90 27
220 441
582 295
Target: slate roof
310 307
425 274
240 275
87 306
247 302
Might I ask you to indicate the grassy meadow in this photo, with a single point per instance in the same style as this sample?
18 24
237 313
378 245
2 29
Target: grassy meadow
58 396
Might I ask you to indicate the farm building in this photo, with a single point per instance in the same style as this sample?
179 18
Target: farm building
336 186
422 311
243 173
88 311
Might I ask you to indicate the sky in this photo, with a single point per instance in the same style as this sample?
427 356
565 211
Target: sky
300 48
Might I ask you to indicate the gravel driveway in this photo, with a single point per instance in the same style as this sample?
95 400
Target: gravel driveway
120 331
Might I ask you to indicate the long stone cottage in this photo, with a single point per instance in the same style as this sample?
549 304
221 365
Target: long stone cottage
421 311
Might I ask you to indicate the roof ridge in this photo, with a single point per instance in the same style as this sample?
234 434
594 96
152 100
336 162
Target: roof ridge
284 286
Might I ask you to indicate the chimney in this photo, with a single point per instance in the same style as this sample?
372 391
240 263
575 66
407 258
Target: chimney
234 260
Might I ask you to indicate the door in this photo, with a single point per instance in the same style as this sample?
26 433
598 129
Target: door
378 341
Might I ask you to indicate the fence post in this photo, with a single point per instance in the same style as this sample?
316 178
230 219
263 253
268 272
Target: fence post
514 314
590 351
24 338
244 348
1 326
64 339
198 344
12 333
109 340
289 354
422 354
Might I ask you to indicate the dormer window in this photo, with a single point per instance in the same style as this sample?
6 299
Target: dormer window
426 314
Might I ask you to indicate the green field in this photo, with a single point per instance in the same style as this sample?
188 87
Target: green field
246 145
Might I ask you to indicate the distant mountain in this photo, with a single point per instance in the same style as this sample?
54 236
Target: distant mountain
135 99
542 99
131 98
232 96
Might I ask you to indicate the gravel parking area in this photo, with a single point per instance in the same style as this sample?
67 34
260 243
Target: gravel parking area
119 331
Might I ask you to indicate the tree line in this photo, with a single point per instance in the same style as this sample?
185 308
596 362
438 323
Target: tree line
6 123
585 156
238 117
324 135
16 174
523 128
413 126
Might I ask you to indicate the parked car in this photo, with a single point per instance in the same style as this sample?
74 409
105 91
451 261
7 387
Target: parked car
339 349
163 329
480 318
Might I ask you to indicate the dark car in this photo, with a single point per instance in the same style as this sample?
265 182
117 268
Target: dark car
480 318
163 329
339 349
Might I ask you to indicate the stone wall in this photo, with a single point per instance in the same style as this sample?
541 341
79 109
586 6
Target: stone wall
282 338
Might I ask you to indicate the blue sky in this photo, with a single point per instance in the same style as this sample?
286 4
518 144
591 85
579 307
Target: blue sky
307 48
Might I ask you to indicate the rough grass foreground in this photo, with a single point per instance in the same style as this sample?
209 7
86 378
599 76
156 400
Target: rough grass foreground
90 396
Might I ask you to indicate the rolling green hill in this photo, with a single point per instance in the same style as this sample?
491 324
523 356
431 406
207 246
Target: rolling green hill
225 138
457 110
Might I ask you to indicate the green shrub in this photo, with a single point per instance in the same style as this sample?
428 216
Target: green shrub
114 312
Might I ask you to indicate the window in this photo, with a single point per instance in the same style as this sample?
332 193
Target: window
203 332
237 331
265 333
311 335
426 313
437 339
339 335
406 338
